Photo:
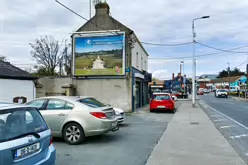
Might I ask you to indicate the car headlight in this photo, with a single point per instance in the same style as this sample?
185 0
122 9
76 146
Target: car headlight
117 113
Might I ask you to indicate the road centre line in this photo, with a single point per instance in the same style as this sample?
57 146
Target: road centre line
227 126
238 136
229 118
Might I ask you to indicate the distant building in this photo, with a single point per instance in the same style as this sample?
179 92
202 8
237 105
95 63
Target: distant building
16 85
204 79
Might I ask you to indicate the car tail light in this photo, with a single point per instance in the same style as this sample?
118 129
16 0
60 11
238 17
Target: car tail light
100 115
51 139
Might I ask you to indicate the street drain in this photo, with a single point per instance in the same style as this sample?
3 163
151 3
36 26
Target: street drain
194 123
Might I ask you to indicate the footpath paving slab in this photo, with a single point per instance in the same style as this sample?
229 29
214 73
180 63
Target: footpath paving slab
192 139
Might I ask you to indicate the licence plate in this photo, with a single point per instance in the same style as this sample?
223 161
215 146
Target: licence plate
25 151
161 107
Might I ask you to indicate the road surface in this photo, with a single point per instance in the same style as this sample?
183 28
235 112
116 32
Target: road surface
230 117
98 64
130 145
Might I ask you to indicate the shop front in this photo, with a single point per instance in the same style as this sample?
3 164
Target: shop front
140 90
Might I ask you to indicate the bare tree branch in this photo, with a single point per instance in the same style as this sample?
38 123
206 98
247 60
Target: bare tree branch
47 52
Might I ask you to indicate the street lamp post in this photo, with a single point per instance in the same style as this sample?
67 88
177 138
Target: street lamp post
194 61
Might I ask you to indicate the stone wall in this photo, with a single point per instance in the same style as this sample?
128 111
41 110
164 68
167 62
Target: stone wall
116 92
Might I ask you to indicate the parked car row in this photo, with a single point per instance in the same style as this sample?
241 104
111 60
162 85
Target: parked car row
27 130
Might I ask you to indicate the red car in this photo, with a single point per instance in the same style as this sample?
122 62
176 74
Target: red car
162 101
176 93
200 93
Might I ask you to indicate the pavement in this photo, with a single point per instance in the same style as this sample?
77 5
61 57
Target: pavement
130 145
192 139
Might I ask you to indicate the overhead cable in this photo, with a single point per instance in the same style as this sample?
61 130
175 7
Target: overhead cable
179 44
211 47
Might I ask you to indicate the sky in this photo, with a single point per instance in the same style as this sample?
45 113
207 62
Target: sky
89 44
157 21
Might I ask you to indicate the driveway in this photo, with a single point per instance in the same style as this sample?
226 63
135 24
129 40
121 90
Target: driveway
130 145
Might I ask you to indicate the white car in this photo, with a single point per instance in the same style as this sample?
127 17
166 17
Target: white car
221 93
120 114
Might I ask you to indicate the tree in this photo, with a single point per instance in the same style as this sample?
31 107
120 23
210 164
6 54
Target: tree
3 58
234 72
48 53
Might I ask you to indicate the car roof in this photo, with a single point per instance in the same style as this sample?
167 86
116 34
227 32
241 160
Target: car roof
4 106
67 98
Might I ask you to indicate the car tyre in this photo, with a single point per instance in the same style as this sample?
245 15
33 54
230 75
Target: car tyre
73 134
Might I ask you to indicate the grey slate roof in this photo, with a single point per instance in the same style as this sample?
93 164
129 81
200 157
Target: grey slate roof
10 71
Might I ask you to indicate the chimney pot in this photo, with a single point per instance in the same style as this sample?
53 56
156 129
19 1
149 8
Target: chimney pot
102 8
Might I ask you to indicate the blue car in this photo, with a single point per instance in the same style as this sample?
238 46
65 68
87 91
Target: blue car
25 138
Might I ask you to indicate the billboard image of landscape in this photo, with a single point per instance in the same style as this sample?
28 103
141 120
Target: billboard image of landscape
99 55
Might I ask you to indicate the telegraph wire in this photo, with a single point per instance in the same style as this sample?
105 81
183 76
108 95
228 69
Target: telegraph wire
218 48
202 55
179 44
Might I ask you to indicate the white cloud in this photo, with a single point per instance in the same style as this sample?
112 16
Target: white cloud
158 21
161 74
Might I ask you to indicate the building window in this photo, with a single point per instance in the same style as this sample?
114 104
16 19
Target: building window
145 66
142 63
137 59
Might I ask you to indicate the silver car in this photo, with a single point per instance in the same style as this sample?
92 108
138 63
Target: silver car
25 138
75 118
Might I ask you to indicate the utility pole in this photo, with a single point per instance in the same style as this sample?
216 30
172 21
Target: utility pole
90 7
247 78
194 61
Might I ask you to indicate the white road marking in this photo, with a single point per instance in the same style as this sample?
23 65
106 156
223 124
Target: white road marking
215 115
229 118
227 126
220 120
238 136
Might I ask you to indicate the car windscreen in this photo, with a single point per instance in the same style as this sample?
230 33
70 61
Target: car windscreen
222 91
16 122
92 102
175 92
162 97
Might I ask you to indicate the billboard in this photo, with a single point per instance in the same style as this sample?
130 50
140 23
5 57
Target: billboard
99 54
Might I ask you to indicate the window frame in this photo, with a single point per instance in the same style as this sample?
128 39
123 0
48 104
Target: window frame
43 105
45 108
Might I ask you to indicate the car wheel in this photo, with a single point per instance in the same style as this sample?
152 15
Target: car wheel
73 134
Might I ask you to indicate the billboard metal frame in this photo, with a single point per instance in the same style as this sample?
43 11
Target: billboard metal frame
99 34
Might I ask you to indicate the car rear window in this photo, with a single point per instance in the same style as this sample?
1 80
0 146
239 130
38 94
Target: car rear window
162 97
19 121
92 102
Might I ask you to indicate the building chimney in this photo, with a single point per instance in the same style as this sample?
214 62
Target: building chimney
102 8
173 76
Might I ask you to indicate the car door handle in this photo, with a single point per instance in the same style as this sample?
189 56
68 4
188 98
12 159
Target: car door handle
61 114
